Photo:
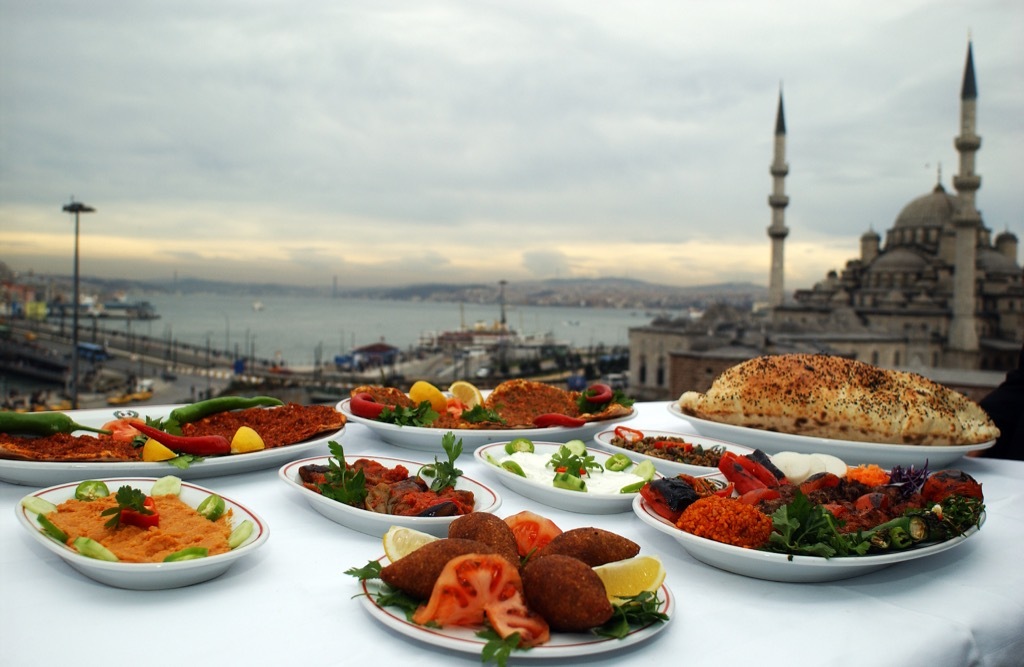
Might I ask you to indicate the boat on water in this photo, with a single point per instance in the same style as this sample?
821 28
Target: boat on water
257 306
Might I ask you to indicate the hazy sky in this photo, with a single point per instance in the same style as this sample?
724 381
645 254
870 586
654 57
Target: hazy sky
389 142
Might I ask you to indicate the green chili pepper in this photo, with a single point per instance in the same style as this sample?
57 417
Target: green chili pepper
212 507
519 445
617 462
41 423
91 490
513 467
196 411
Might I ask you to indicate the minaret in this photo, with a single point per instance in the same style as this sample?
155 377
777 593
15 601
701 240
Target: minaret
778 201
963 334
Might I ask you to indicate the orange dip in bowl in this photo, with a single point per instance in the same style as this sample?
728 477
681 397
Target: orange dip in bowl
181 526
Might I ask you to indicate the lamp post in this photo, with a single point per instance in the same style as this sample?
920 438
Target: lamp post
77 208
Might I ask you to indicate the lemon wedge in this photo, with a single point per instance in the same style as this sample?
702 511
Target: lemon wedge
400 541
467 393
246 440
422 390
154 451
633 576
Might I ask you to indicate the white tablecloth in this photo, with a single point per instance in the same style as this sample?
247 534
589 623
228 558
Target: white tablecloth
290 603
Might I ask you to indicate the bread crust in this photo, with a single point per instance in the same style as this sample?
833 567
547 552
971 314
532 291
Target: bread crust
840 398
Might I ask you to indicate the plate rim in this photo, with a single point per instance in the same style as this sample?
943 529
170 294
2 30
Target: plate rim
466 642
675 466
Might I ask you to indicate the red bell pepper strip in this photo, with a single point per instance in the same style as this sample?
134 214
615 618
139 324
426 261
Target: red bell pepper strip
757 495
364 406
198 445
757 470
736 473
130 517
598 394
557 419
628 434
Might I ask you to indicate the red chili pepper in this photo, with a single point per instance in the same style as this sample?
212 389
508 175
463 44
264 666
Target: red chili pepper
628 434
130 517
727 491
557 419
198 445
598 393
364 406
656 499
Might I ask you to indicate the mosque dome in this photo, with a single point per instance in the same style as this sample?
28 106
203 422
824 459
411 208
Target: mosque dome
901 260
992 261
934 209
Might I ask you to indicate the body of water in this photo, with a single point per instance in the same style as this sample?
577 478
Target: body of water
295 330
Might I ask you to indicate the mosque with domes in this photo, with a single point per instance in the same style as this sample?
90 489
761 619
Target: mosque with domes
939 292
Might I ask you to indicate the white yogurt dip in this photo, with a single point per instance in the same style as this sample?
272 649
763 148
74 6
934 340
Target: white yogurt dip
536 468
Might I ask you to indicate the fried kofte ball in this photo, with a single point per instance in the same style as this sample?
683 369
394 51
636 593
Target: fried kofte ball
489 529
416 573
593 546
566 592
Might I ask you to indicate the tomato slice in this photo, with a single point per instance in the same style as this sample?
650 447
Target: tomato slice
466 586
532 531
121 430
512 615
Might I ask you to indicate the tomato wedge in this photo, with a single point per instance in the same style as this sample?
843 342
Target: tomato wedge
468 584
532 531
512 615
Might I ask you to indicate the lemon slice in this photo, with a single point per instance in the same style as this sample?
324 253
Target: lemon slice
632 576
424 391
466 393
246 440
400 541
154 451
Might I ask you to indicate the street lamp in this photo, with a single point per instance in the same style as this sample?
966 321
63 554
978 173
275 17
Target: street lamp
77 208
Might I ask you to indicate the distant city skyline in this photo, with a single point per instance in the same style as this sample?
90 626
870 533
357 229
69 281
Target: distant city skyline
388 144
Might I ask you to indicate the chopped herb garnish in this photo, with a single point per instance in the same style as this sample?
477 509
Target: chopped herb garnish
478 414
497 648
633 612
571 464
421 415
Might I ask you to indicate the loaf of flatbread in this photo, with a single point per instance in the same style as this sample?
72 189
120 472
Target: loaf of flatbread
835 397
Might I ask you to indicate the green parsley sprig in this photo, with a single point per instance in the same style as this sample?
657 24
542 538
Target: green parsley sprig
444 472
127 498
574 465
341 483
421 415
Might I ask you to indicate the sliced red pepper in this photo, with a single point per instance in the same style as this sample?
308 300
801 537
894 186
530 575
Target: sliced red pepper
364 406
557 419
818 481
758 471
598 394
736 473
727 491
130 517
757 495
628 434
198 445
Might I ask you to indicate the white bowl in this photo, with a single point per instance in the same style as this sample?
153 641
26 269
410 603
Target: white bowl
428 439
375 523
147 576
665 466
581 502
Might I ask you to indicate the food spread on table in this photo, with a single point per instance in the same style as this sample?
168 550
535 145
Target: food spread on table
864 510
839 398
514 404
218 427
518 580
668 447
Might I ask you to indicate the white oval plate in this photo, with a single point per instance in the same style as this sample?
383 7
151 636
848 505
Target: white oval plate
561 645
664 466
147 576
374 523
34 473
850 451
429 439
781 567
580 502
